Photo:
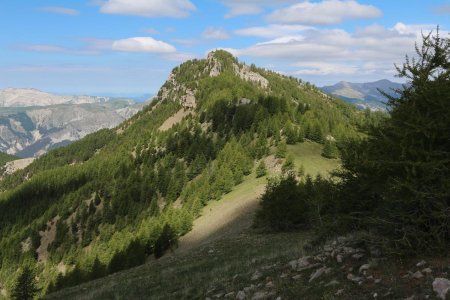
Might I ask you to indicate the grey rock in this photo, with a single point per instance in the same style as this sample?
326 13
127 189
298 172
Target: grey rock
241 295
417 275
318 273
332 282
229 295
421 263
364 267
259 296
257 275
354 278
249 289
441 286
303 262
293 264
357 256
339 258
427 271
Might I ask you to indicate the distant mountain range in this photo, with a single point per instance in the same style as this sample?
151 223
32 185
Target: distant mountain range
33 122
364 95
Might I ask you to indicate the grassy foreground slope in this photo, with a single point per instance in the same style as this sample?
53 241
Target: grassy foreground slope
221 245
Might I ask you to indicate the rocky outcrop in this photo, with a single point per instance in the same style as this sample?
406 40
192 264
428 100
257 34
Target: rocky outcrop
214 65
245 73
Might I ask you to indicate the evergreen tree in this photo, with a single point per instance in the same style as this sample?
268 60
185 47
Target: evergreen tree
25 287
261 169
288 165
166 240
330 150
301 171
281 150
398 178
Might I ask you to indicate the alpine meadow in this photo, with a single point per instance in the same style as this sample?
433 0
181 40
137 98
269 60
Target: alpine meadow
237 181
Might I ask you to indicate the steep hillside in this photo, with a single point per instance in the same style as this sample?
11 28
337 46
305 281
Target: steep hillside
4 158
111 200
32 131
364 95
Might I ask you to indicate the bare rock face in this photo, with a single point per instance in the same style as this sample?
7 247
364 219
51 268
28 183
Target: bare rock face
188 100
32 131
214 65
246 74
12 97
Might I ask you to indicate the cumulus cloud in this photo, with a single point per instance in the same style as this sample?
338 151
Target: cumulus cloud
215 33
325 69
60 10
249 7
316 52
324 13
149 8
272 31
142 44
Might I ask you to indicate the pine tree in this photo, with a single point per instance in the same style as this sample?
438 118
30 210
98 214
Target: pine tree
261 169
288 165
398 178
330 150
25 287
281 150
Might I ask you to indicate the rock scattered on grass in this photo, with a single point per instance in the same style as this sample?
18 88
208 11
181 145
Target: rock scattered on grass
257 275
441 286
241 295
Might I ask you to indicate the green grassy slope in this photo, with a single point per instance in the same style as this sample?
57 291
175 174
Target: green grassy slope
308 154
221 245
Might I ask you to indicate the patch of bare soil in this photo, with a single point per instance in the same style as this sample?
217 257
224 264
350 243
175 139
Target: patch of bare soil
175 119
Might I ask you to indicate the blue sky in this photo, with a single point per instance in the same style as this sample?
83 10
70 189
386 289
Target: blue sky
128 47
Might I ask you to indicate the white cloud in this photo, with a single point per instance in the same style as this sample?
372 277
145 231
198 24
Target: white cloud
272 31
215 33
325 69
370 51
249 7
243 9
60 10
325 12
142 44
149 8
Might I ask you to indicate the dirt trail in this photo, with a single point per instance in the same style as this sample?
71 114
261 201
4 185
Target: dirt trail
230 215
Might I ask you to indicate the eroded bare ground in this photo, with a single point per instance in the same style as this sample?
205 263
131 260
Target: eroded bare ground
175 119
15 165
229 216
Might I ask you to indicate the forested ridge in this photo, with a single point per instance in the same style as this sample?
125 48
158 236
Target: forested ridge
110 200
